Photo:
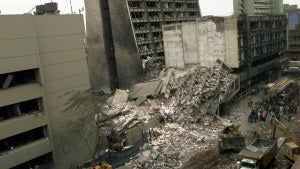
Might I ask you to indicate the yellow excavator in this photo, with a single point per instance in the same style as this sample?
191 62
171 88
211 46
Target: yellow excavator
292 148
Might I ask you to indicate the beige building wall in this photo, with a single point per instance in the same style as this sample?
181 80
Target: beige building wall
54 46
202 42
231 42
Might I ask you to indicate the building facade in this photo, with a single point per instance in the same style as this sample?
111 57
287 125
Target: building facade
42 58
293 13
257 7
252 46
122 33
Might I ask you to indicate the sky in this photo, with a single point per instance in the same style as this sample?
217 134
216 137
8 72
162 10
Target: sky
208 7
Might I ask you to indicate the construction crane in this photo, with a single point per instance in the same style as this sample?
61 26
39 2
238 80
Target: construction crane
292 148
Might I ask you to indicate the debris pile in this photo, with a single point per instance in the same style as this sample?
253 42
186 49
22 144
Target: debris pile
174 110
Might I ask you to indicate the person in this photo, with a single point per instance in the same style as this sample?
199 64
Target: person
258 115
264 116
250 102
255 117
289 117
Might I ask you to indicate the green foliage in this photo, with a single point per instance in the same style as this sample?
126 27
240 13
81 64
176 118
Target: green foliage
78 126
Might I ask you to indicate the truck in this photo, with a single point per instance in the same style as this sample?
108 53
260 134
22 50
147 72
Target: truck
291 148
231 139
259 155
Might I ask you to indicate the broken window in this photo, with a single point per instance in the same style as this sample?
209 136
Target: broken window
145 48
192 13
141 36
134 4
168 5
136 15
140 26
159 45
178 5
157 35
167 14
192 5
151 4
44 161
254 25
22 139
20 109
18 78
153 14
155 25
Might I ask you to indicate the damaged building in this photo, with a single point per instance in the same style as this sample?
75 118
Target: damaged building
252 46
257 7
120 34
42 58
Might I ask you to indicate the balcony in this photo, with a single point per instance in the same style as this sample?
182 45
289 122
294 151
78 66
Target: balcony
20 93
25 153
21 124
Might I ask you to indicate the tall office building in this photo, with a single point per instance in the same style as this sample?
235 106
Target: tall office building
258 7
293 13
122 33
42 58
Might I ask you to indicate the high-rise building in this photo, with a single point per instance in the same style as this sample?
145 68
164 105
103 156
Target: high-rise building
294 43
42 58
122 33
258 7
293 13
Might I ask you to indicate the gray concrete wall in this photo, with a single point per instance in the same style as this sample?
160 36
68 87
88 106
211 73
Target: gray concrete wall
128 63
112 56
97 59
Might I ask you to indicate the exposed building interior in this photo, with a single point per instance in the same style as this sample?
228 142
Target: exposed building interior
148 17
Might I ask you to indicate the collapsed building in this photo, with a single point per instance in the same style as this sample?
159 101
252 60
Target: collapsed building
120 34
252 46
166 112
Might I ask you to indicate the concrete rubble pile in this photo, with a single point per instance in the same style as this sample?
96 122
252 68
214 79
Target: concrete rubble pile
172 110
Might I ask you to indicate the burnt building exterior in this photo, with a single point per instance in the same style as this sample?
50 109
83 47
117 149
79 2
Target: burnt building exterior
262 43
122 33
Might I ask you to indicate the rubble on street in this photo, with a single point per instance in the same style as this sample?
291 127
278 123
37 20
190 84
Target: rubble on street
175 110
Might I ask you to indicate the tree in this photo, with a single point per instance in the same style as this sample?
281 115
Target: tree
79 122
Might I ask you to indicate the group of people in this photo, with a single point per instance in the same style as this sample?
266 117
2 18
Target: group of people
263 109
257 115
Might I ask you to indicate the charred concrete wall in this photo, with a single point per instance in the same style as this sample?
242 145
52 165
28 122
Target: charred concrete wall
128 63
100 49
112 53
